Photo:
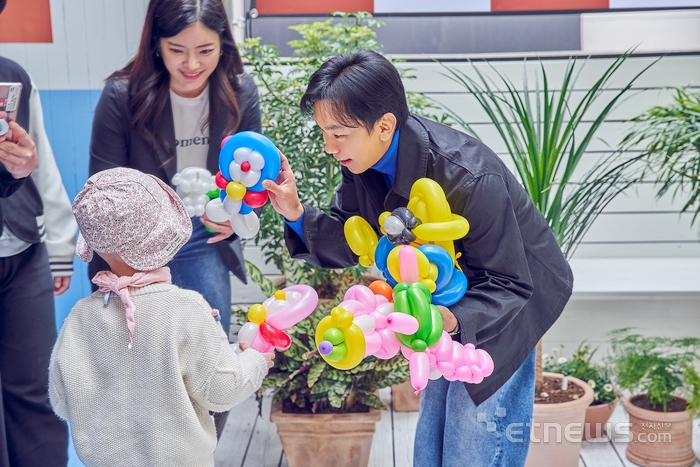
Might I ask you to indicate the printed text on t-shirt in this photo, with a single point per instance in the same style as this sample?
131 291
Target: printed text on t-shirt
196 141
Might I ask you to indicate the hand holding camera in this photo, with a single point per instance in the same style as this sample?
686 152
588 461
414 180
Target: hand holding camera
17 154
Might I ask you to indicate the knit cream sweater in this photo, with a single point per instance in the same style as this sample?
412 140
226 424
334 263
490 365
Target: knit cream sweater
148 405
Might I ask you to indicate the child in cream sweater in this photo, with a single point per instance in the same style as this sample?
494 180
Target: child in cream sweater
139 365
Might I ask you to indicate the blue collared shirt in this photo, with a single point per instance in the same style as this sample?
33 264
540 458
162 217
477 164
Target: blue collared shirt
385 166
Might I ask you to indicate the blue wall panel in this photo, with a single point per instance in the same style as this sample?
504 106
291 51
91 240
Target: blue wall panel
68 121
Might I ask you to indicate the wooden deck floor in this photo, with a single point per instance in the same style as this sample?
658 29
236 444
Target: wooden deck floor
252 441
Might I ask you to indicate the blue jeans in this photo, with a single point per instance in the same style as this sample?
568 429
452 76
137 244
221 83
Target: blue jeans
198 266
453 432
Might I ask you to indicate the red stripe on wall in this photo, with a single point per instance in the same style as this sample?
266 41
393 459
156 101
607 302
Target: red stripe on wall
536 5
26 21
301 7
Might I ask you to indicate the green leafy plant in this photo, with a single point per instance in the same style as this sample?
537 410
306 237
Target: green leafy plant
282 82
670 138
300 376
581 366
658 367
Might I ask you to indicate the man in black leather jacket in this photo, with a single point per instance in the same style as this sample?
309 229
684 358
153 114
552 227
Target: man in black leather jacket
519 280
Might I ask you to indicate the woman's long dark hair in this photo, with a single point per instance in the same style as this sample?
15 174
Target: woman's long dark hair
149 79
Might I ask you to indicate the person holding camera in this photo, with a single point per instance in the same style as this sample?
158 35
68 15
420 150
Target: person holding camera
37 245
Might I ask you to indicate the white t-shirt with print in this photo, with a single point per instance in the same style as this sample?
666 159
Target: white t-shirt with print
191 143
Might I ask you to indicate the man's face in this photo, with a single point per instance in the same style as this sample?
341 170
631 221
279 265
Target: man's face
353 147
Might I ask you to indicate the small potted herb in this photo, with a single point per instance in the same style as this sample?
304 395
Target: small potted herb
661 375
581 366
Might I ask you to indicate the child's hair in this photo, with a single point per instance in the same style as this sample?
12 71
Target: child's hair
131 214
360 87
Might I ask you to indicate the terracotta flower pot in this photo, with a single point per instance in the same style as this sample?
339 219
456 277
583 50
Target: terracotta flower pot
596 418
403 399
557 429
338 440
659 439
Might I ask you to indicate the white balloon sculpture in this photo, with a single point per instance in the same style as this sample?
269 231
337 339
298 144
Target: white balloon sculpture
193 184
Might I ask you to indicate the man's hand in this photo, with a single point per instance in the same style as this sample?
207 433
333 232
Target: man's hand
283 194
269 356
18 157
222 229
449 320
60 284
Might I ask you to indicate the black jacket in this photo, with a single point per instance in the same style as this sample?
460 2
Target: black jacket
20 202
519 280
116 143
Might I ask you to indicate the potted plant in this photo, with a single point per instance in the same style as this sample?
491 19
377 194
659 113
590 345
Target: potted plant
316 407
324 415
597 376
660 374
540 128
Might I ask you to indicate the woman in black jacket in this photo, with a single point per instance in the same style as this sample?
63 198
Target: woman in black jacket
170 108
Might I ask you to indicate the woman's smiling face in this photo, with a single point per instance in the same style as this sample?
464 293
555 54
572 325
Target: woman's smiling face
191 57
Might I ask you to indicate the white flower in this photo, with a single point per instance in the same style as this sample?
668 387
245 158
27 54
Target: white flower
591 383
561 360
608 387
584 359
595 396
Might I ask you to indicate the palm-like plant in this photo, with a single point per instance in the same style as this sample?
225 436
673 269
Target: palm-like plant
542 131
670 136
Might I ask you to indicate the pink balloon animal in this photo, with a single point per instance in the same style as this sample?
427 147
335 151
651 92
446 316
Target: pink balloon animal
265 329
448 359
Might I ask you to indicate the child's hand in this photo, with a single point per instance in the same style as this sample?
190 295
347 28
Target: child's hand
269 359
269 356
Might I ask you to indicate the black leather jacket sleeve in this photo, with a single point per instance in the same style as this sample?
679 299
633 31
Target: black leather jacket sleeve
8 183
109 144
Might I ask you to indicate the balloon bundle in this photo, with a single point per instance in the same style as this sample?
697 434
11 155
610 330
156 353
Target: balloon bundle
416 254
417 245
365 323
245 161
264 330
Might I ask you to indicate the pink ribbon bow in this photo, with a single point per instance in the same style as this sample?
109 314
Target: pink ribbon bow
107 281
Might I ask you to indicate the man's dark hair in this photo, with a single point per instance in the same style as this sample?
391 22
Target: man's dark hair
2 5
360 87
